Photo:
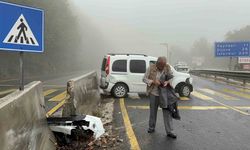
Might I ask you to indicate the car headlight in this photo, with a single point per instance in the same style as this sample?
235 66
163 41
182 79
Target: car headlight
189 80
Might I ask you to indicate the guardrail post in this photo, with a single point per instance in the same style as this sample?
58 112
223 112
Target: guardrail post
244 82
227 80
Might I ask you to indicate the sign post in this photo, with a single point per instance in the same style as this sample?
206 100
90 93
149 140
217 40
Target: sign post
21 86
22 30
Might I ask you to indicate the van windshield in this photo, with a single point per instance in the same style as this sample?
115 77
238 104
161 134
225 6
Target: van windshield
182 69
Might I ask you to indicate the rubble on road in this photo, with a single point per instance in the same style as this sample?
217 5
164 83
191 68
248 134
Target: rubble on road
75 130
89 139
108 141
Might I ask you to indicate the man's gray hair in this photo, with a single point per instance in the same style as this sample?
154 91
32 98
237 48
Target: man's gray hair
161 58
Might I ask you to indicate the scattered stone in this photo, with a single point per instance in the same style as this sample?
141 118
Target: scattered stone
120 140
106 134
91 144
90 148
104 141
98 143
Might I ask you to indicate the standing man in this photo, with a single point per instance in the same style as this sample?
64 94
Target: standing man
152 79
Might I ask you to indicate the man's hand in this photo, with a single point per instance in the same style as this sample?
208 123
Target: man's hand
165 83
157 82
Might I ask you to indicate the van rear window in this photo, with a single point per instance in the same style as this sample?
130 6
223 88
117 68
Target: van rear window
119 66
104 61
137 66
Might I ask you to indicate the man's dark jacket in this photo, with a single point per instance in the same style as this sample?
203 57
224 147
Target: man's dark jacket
168 98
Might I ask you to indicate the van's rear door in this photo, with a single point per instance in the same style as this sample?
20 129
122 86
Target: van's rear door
104 72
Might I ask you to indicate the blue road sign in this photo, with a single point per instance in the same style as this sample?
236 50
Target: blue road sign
232 49
21 28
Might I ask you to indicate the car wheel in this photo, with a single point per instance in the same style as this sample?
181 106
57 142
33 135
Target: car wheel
185 91
120 90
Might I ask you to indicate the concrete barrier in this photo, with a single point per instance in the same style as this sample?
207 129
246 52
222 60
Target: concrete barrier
83 95
23 124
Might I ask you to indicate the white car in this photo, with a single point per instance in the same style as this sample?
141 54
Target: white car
122 74
181 67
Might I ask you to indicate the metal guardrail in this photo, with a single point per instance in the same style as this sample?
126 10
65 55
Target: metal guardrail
243 76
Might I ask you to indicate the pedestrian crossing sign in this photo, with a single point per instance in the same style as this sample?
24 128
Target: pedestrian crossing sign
21 33
21 28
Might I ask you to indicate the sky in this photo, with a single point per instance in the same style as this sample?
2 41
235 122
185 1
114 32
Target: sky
147 23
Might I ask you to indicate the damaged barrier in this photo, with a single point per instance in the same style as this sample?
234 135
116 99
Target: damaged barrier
23 123
83 95
76 128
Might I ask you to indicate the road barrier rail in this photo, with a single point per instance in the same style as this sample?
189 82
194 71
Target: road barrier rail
243 76
83 95
23 123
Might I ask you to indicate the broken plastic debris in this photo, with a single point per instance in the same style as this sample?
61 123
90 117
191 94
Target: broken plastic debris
77 126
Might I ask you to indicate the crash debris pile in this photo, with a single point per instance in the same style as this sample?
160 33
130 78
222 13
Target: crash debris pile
75 131
75 145
87 132
109 141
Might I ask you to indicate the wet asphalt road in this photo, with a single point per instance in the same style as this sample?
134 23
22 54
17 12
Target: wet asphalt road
216 117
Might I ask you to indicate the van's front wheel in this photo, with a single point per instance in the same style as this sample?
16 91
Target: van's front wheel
120 90
185 91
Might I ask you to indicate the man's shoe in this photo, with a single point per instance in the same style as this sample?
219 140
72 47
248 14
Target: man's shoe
151 130
171 135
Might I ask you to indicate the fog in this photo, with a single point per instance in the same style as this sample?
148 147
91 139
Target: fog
176 22
79 33
190 28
